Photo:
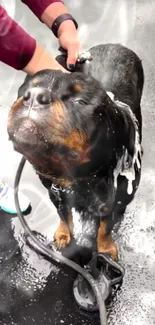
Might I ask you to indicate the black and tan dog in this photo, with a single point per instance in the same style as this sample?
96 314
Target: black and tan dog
82 134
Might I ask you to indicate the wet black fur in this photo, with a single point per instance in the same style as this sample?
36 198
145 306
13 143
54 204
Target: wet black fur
109 127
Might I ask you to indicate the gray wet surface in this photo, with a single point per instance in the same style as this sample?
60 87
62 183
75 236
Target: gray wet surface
131 23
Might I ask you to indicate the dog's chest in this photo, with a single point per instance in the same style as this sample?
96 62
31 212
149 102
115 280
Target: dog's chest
83 196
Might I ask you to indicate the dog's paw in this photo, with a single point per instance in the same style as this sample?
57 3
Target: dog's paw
107 246
62 240
62 236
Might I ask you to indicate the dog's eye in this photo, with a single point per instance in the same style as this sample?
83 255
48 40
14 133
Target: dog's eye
80 101
72 155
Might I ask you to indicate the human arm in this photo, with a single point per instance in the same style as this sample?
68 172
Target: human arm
21 51
47 11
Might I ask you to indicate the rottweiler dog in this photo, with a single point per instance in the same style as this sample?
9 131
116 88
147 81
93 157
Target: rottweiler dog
82 133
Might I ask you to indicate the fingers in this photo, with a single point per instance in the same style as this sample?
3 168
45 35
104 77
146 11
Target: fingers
72 57
69 41
73 53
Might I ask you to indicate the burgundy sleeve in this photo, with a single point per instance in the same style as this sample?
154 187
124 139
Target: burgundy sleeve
39 6
16 46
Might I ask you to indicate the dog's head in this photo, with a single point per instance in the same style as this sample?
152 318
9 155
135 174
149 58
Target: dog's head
61 124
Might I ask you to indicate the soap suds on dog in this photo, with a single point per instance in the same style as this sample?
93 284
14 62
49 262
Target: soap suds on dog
123 168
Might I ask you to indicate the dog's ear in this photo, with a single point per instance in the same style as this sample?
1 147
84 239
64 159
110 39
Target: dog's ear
105 120
61 59
102 105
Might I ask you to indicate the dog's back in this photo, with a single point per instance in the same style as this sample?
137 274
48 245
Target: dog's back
118 69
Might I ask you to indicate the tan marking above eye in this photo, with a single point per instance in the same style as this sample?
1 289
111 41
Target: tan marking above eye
36 81
77 87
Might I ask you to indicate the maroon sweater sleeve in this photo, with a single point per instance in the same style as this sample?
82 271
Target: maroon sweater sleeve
38 6
16 46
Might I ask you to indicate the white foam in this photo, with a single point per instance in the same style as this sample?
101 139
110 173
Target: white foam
111 95
123 168
84 56
38 269
83 229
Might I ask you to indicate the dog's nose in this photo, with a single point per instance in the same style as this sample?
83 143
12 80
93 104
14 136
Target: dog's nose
37 96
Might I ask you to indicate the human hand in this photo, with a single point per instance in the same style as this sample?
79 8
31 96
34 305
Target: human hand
69 40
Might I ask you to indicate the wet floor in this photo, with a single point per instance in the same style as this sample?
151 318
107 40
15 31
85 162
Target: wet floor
45 290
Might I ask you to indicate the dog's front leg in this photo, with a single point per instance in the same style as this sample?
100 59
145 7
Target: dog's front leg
105 243
64 232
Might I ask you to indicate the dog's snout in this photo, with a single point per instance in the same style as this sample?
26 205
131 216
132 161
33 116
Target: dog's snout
37 96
